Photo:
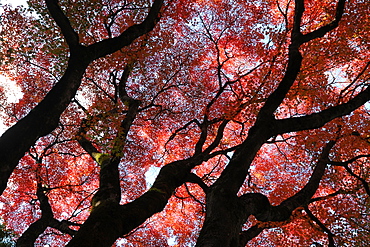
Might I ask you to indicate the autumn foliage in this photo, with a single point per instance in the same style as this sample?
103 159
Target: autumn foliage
186 123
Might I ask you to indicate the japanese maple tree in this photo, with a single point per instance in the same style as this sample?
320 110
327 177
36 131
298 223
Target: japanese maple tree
252 115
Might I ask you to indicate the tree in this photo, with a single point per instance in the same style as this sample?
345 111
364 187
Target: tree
254 112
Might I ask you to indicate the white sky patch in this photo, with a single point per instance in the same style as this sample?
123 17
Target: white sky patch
14 2
337 77
12 93
11 90
151 175
172 241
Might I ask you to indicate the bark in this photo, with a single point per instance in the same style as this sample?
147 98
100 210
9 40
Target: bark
224 215
109 180
45 116
109 221
224 220
226 212
42 119
35 229
47 219
246 236
317 120
301 198
322 226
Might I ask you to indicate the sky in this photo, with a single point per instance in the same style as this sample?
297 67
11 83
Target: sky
14 2
12 93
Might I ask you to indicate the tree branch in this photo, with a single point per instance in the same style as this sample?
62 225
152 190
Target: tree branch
45 116
295 58
109 182
317 120
41 120
116 220
83 141
246 236
303 197
345 165
29 237
321 225
320 198
133 108
293 68
259 206
218 138
62 226
347 162
110 45
62 21
193 178
329 27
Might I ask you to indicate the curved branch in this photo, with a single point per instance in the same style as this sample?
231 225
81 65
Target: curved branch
293 68
329 27
109 183
345 165
317 120
303 197
193 178
295 58
116 220
133 108
259 205
110 45
173 135
321 225
83 141
29 237
42 119
218 138
62 21
45 116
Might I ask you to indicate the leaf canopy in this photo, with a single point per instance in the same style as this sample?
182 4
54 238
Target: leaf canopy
254 113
